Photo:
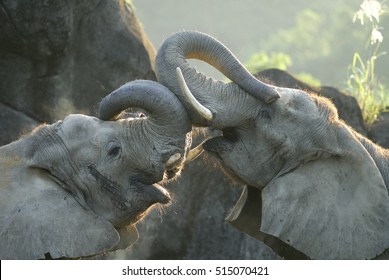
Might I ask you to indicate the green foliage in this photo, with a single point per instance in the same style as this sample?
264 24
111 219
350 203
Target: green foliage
309 79
362 82
263 60
369 92
302 38
318 36
319 40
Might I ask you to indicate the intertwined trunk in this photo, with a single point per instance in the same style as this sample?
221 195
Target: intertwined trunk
218 96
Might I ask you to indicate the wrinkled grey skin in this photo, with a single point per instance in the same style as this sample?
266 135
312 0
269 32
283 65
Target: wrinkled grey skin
77 187
314 187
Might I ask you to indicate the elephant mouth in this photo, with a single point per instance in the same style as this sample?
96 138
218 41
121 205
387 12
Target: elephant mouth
155 193
151 195
177 162
213 147
148 194
173 171
219 145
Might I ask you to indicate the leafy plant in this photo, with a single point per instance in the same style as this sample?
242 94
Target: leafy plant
308 79
263 60
362 82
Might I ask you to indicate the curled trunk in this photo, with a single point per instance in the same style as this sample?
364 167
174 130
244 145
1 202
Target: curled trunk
167 116
174 53
165 110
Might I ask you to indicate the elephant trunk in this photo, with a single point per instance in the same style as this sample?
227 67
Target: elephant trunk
167 116
165 110
174 53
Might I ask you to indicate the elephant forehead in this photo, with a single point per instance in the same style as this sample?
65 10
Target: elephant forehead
82 128
297 102
78 123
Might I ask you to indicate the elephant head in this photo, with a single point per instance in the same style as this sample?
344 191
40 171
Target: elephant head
314 187
77 187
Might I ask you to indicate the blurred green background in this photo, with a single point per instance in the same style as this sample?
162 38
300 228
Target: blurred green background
314 40
320 37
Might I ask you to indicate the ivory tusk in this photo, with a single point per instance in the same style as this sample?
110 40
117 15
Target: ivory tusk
194 153
173 159
203 111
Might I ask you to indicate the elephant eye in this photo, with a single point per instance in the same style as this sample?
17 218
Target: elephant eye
265 113
114 151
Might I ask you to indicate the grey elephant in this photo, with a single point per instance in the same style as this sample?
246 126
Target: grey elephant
315 188
77 187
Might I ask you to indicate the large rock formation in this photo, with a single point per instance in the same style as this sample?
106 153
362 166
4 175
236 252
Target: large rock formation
61 57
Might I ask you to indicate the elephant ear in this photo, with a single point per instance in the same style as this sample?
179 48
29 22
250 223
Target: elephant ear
330 208
47 222
128 236
246 217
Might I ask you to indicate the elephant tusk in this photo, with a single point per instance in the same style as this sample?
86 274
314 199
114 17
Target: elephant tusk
173 159
202 110
194 153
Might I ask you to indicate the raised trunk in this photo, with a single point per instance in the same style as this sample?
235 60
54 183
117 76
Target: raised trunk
165 111
215 95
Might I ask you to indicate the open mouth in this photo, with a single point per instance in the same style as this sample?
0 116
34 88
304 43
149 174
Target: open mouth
213 146
172 172
229 133
150 193
221 144
218 147
176 161
158 193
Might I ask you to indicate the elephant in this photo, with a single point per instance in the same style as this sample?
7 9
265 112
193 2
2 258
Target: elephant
314 187
77 188
346 104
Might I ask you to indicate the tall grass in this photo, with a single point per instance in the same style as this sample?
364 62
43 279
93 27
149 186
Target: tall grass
362 82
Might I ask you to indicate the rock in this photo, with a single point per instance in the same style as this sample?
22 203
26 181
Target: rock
61 57
13 124
379 130
347 106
